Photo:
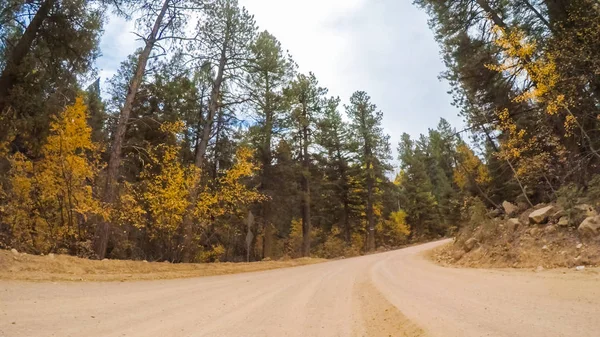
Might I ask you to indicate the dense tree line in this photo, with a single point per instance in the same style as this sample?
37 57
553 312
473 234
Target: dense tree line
525 76
209 144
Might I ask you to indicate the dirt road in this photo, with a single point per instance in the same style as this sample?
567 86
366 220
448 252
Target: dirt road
397 293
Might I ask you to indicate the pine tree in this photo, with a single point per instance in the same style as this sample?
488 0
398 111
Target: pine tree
416 190
372 151
269 71
45 48
333 136
306 99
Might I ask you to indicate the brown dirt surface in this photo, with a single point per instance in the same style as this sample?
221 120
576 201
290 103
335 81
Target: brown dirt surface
530 246
68 268
397 293
379 318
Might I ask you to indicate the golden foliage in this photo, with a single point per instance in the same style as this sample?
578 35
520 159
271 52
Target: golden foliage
50 200
293 243
231 194
167 188
515 142
394 231
541 70
171 190
471 168
530 157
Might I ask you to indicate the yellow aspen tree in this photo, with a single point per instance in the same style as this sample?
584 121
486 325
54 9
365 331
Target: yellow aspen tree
470 169
230 195
521 55
51 199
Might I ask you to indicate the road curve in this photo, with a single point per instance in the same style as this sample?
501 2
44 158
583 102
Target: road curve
398 293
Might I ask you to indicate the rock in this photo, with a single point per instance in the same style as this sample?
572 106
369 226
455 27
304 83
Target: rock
457 255
513 224
539 269
579 246
14 251
590 226
541 215
534 231
545 247
557 215
550 229
509 208
563 221
495 213
579 268
587 209
145 261
104 259
51 255
470 244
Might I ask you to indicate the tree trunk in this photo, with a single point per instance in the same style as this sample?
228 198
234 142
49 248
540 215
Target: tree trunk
199 126
346 222
217 141
519 182
114 161
306 225
345 201
9 75
557 11
370 215
537 14
493 15
265 188
213 106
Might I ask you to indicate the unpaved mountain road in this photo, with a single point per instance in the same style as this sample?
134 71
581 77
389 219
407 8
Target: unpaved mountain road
397 293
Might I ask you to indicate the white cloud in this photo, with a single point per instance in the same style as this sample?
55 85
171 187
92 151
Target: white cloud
383 47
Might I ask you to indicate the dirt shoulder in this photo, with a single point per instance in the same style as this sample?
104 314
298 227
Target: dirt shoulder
24 267
522 250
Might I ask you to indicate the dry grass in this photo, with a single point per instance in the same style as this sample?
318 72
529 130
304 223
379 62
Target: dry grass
68 268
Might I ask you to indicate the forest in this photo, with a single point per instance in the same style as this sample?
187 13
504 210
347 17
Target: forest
210 145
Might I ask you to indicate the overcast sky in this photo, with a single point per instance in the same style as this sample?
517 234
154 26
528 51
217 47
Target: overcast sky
383 47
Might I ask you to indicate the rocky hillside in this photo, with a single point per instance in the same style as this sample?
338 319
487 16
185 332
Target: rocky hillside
545 236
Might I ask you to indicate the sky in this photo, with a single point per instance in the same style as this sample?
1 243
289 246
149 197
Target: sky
383 47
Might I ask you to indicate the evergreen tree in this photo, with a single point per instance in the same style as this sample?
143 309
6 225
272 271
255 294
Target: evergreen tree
306 99
334 138
372 151
416 190
269 71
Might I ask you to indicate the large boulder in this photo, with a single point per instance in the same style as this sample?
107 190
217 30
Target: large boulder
509 208
541 215
590 226
470 244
